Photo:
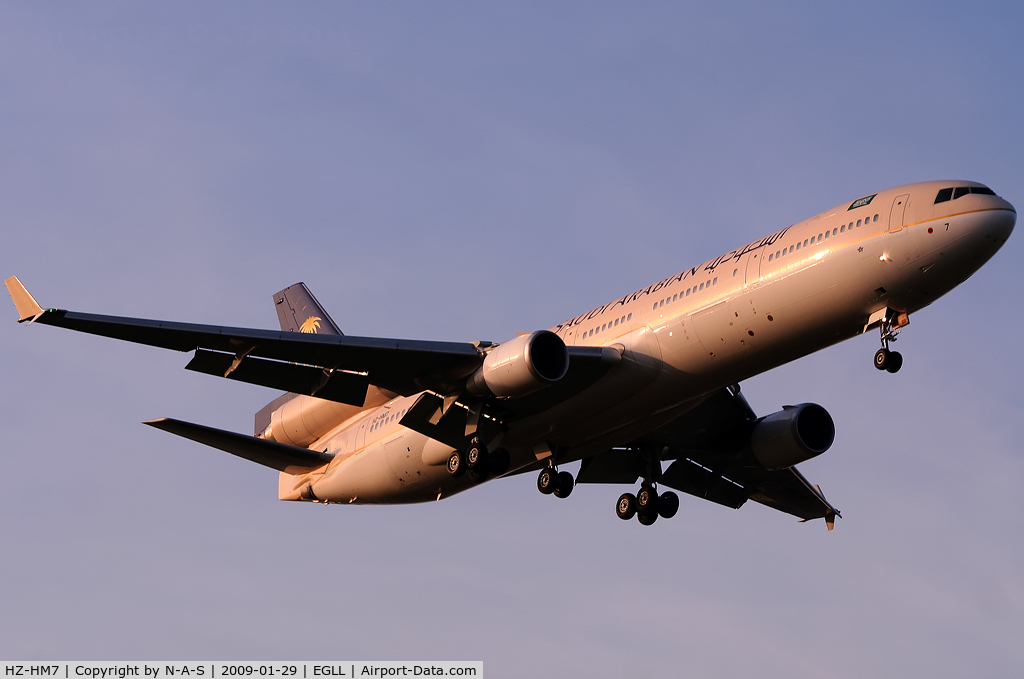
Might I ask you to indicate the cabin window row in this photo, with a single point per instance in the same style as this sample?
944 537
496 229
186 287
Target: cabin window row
820 237
686 293
387 420
607 326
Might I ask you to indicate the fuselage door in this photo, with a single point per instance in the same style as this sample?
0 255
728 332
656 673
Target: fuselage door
753 266
899 208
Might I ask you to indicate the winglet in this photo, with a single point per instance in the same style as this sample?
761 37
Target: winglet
24 302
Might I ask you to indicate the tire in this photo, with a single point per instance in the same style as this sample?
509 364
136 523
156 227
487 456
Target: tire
625 508
895 362
882 358
668 505
647 500
456 464
646 518
547 480
476 457
499 461
564 484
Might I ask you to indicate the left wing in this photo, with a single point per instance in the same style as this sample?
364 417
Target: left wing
333 367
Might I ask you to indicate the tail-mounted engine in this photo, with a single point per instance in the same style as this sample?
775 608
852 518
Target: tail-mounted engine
792 435
521 366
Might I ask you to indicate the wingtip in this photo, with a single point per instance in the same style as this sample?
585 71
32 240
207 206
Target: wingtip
24 302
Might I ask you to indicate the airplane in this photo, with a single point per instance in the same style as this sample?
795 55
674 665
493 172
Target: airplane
643 388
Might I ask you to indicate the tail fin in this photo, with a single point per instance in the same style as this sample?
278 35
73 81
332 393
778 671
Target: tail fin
299 311
24 302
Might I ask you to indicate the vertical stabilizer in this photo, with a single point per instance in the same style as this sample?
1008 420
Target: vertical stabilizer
299 311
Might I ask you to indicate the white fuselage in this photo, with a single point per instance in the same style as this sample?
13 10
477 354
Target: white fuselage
789 294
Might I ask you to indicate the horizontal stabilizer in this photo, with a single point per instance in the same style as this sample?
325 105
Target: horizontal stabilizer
284 458
24 302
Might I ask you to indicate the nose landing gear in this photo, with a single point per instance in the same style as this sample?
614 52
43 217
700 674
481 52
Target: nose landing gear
890 325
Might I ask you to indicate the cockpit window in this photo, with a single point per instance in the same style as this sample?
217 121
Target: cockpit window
953 194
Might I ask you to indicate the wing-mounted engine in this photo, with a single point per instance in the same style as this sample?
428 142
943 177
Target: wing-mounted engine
792 435
521 366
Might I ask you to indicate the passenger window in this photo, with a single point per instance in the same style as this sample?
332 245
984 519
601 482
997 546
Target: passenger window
876 218
791 248
798 246
715 281
819 237
842 228
687 292
805 242
850 225
858 222
827 234
675 297
770 257
624 318
616 321
603 326
655 305
961 191
701 286
734 271
629 317
835 232
662 303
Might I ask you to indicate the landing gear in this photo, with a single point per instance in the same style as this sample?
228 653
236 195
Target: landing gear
647 505
564 484
625 508
550 481
456 464
476 456
890 361
547 480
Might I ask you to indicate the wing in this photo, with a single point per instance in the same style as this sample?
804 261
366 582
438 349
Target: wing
333 367
708 446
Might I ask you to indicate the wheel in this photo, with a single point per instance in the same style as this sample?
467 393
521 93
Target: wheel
895 362
625 508
476 456
564 484
547 480
647 500
498 462
882 358
668 505
456 464
646 518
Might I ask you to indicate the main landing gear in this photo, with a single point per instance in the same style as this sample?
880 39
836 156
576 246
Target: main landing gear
885 359
478 461
647 505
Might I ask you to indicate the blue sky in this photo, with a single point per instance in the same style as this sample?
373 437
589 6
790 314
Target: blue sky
463 171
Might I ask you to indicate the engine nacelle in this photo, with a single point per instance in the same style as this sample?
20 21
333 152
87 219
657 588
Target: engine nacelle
792 435
521 366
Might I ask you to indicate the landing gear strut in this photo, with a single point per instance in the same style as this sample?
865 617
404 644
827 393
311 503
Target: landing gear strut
885 359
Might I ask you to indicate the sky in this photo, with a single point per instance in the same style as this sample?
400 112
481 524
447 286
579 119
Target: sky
463 171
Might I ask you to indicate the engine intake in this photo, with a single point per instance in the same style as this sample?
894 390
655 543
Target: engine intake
793 435
521 366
